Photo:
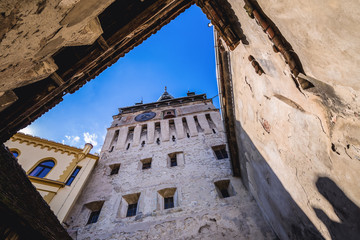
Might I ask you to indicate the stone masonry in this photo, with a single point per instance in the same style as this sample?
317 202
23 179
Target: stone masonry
195 183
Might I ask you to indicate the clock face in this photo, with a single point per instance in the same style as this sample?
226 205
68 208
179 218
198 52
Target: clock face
145 116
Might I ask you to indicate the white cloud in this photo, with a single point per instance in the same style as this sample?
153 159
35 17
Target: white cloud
71 140
90 138
28 130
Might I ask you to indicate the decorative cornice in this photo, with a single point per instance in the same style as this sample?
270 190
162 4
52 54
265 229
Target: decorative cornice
50 145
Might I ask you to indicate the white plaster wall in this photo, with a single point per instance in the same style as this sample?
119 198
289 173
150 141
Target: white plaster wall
199 213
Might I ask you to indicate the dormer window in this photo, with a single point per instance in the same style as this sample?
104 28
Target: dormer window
169 114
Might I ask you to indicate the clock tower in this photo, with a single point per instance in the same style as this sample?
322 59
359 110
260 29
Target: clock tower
164 173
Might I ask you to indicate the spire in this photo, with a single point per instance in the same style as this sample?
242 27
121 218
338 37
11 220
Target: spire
165 96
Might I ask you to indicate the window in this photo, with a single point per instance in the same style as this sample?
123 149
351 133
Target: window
168 202
220 152
131 210
129 205
15 153
167 198
146 163
94 208
94 216
157 127
173 161
224 188
114 169
42 169
169 114
73 175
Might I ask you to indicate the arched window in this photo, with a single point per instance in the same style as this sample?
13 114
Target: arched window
15 153
42 169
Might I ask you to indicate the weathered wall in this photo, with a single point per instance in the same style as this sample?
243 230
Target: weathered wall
32 31
199 212
300 149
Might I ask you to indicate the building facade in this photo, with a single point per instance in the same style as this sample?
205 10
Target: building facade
164 173
59 172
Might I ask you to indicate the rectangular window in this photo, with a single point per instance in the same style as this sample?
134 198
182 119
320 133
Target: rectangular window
131 210
167 198
224 188
173 161
225 193
94 216
168 202
146 163
73 175
114 169
129 205
220 152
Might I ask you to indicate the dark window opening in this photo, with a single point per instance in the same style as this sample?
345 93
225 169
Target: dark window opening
224 193
213 130
220 152
111 149
168 202
42 169
131 210
224 188
115 169
146 164
188 135
173 138
157 127
15 154
128 146
169 114
142 143
158 141
94 216
173 161
73 176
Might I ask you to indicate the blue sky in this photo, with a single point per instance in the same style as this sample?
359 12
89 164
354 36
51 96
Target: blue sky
179 56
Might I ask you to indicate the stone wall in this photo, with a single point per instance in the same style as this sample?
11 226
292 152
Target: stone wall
199 212
298 135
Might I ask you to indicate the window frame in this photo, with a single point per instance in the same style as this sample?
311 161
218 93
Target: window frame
73 176
220 152
146 163
32 170
12 150
132 209
114 169
93 215
224 188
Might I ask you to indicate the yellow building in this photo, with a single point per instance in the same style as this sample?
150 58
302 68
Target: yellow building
59 172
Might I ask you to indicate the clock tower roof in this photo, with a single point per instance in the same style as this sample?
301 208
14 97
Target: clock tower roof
165 96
